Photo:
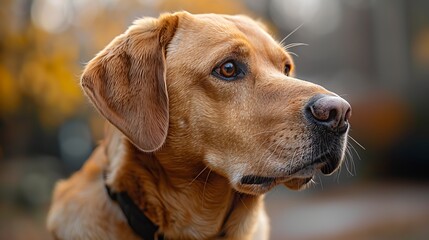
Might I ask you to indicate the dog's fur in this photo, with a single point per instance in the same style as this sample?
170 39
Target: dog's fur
180 139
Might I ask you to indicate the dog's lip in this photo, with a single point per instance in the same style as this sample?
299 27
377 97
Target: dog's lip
256 180
305 172
320 163
297 183
255 184
295 178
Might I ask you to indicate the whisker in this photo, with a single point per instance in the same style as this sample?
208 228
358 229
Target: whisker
266 139
275 149
263 164
243 202
354 149
290 34
293 158
320 180
348 158
313 183
266 151
338 173
292 53
198 175
353 165
204 188
282 150
348 168
291 45
260 148
352 160
354 140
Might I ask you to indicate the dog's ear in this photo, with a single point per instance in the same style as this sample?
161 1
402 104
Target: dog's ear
126 81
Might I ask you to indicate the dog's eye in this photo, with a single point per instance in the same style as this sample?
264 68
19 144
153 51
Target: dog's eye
228 71
287 69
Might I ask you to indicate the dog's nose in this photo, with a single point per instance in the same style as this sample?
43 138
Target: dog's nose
332 112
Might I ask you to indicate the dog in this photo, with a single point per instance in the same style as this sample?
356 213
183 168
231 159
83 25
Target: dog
204 117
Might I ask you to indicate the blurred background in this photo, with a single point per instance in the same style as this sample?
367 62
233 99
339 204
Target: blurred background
375 54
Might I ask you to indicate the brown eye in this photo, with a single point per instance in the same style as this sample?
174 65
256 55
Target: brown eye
287 69
228 69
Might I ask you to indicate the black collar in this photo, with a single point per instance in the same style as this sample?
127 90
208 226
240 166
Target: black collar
137 220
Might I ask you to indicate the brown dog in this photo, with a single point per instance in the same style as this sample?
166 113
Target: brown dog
205 119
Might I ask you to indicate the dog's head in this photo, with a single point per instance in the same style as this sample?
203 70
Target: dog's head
218 90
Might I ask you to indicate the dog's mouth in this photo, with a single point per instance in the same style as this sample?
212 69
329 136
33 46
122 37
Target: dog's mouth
295 178
253 184
267 181
257 180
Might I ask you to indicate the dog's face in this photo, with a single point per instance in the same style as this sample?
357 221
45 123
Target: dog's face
223 88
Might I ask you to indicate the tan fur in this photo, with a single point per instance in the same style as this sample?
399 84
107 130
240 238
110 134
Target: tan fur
181 139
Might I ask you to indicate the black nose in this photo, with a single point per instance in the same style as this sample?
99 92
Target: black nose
332 112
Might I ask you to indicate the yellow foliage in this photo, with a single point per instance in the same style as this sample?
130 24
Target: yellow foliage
51 83
9 99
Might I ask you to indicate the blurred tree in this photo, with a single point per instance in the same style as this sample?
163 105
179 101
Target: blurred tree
37 69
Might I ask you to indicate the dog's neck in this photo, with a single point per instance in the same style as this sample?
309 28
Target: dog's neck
182 197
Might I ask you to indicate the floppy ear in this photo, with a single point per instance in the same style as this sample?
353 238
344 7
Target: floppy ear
126 81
